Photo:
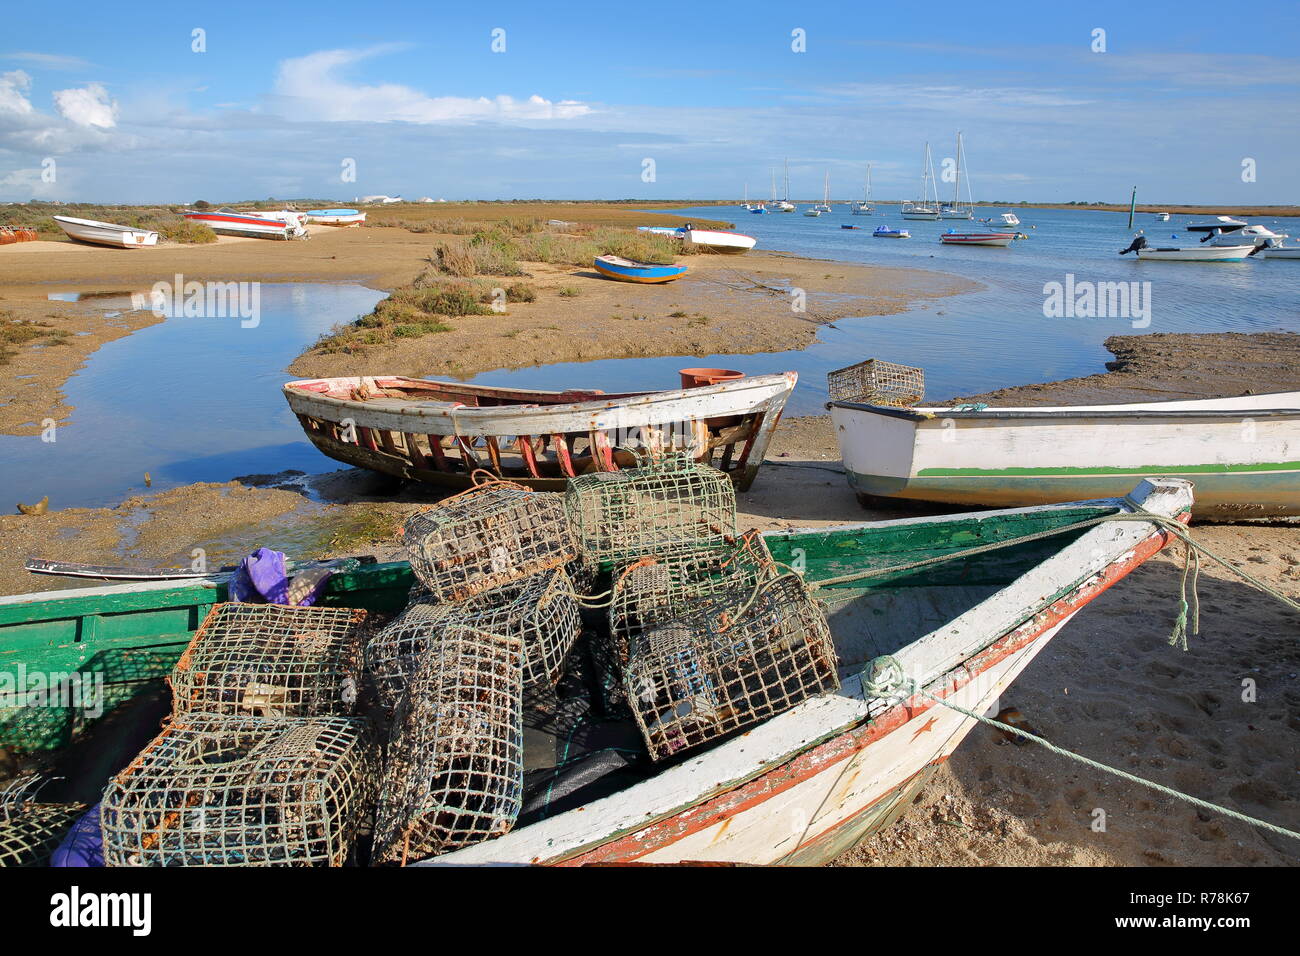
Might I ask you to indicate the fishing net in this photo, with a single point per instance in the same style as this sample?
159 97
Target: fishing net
876 382
268 660
486 537
242 791
666 505
540 611
744 655
455 771
656 589
30 831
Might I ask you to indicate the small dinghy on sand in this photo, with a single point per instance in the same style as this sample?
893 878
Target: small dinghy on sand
625 270
106 233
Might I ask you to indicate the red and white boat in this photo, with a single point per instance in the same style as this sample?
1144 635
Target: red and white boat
977 238
282 224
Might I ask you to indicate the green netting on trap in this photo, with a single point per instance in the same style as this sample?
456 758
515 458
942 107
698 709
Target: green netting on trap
728 662
652 590
269 660
877 382
485 538
243 791
667 505
31 831
539 610
455 772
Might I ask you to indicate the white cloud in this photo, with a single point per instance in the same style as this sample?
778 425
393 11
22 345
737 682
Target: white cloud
87 106
319 93
48 61
14 86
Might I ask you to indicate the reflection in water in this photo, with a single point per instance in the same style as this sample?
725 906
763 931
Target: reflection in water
186 400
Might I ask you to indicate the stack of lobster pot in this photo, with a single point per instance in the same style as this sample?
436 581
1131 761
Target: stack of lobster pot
263 761
493 615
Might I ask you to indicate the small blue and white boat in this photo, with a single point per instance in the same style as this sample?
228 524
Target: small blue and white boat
336 217
884 232
625 270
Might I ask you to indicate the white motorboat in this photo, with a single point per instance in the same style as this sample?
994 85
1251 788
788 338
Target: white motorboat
1010 219
1225 223
284 224
1162 216
1257 235
1276 249
814 211
1206 253
106 233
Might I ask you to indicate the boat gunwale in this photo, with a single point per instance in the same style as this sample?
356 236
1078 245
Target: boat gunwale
1064 413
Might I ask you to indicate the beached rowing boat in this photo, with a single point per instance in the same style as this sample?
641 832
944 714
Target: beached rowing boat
715 240
271 225
1242 453
977 238
797 788
335 217
440 432
1206 253
106 233
625 270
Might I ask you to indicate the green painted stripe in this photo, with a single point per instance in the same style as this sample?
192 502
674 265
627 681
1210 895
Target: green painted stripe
1136 472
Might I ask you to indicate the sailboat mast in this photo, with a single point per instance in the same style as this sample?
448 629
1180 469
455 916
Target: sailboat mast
787 179
773 184
956 186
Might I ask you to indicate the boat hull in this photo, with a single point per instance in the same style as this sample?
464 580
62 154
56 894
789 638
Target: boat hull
1286 253
1000 239
106 233
1242 454
624 270
1206 253
335 217
440 433
226 224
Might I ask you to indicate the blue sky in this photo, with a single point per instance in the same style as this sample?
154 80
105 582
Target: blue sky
715 95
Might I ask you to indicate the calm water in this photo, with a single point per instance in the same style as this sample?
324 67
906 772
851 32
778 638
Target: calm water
199 399
988 339
186 400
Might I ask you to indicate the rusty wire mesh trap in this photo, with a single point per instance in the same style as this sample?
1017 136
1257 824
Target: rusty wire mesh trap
270 660
744 655
31 831
539 610
487 537
242 791
656 589
455 769
877 382
667 505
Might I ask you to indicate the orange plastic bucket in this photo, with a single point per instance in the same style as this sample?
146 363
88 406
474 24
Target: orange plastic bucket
696 377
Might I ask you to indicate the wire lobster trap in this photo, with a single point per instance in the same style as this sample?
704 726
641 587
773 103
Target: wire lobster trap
656 589
270 660
667 505
540 610
877 382
243 791
487 537
746 655
455 770
31 831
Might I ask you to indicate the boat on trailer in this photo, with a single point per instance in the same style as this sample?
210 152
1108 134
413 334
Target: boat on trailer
798 788
442 432
106 233
1003 457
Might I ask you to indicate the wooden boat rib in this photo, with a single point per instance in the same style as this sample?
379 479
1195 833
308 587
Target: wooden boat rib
800 787
440 432
106 233
1005 457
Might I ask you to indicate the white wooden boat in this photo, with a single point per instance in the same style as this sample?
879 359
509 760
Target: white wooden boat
1243 453
797 788
1205 253
814 212
807 784
441 432
106 233
336 217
